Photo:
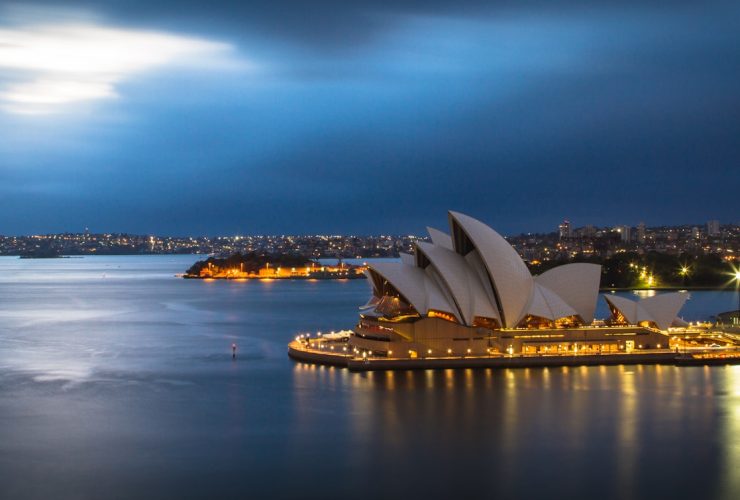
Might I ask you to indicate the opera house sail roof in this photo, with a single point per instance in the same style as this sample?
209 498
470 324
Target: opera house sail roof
659 311
474 277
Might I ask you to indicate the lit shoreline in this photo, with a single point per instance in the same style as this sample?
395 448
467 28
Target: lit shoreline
302 352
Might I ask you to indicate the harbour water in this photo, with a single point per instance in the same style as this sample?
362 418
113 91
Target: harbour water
116 381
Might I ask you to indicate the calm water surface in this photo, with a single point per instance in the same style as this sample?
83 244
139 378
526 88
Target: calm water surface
116 381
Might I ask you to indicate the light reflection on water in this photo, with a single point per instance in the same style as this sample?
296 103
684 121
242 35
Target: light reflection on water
577 421
123 386
619 432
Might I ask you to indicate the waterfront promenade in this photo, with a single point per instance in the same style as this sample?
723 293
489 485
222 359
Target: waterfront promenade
321 353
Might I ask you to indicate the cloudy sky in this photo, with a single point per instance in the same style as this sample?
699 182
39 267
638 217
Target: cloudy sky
189 117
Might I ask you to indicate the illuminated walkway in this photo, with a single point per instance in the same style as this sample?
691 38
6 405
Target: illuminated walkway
315 352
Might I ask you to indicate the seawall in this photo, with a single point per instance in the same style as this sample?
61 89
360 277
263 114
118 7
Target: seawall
299 352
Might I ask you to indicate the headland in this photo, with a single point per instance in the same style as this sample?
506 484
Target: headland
271 266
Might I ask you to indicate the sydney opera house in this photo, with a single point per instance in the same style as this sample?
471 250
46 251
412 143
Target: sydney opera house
469 293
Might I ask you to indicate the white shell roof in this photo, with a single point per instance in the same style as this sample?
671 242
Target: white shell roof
510 276
546 304
440 277
661 309
448 302
475 264
461 282
414 284
643 314
664 307
627 307
407 258
440 238
577 284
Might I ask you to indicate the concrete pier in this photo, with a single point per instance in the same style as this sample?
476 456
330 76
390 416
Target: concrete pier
300 351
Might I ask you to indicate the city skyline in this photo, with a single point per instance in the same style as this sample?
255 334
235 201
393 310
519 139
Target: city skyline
565 225
305 117
565 243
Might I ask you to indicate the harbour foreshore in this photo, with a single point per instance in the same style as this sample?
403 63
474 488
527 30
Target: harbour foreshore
301 351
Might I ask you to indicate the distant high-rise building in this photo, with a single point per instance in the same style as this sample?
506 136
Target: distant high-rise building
695 233
641 232
713 228
565 230
625 233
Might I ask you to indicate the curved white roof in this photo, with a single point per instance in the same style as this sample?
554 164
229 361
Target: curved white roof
475 264
511 279
440 238
407 259
408 280
447 301
414 284
577 284
660 309
476 272
664 307
546 304
462 283
643 314
627 307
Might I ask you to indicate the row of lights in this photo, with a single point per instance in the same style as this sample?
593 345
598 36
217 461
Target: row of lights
390 353
509 350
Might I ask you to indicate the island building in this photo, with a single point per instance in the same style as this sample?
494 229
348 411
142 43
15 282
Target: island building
469 293
268 271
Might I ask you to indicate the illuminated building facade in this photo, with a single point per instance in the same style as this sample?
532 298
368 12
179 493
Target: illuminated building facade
468 292
565 230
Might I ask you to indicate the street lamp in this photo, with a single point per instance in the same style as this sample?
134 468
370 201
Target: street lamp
684 272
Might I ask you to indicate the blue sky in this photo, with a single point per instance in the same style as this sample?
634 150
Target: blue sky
366 117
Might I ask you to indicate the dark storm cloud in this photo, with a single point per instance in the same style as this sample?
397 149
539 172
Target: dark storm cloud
320 24
379 116
331 24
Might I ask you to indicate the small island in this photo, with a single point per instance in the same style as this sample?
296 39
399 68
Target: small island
265 266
